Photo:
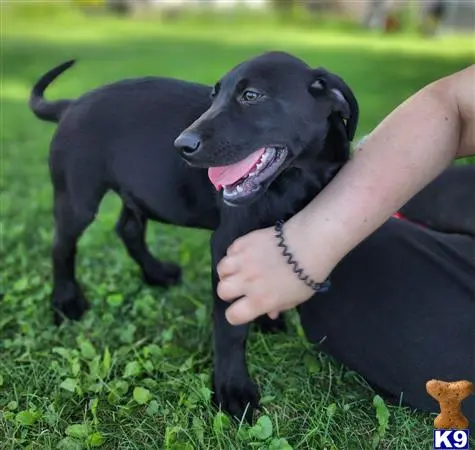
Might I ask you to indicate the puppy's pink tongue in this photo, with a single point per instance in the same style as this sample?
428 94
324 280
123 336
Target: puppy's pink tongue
222 176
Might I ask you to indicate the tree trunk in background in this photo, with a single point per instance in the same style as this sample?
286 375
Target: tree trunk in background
377 14
125 7
120 7
283 6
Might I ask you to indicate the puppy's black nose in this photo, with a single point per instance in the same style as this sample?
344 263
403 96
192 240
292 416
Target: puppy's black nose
188 142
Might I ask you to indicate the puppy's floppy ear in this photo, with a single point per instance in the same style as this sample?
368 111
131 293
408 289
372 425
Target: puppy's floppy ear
344 100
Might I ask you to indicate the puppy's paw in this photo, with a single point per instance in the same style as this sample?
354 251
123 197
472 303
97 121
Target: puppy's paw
162 274
236 395
172 272
68 303
268 325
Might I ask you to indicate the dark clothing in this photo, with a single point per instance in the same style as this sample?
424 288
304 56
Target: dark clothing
401 311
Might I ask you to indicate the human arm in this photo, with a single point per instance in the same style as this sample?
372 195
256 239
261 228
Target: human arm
413 145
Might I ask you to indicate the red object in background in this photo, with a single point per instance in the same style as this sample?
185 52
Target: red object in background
391 24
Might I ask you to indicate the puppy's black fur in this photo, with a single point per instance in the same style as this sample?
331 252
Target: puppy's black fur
120 137
297 110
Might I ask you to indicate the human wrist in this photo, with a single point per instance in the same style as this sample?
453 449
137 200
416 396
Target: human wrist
312 246
293 262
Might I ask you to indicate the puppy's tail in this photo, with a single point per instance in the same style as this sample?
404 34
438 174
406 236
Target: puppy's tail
44 110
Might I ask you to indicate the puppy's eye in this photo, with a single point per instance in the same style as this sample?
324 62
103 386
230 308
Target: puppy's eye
250 96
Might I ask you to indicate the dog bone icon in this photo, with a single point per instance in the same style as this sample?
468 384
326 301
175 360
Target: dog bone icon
450 396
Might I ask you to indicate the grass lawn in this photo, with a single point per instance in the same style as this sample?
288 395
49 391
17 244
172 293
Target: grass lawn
135 373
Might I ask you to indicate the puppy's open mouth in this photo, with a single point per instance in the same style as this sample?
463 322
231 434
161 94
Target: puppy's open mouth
245 178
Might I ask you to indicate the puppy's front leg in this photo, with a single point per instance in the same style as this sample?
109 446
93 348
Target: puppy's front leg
234 391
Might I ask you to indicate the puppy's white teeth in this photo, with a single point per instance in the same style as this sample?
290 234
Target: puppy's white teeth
239 188
268 155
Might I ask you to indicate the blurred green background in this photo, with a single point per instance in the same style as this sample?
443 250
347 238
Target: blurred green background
135 372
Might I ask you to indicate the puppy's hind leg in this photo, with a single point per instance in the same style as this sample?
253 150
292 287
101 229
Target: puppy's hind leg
70 222
131 228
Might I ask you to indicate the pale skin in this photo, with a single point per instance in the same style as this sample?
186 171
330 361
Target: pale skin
407 150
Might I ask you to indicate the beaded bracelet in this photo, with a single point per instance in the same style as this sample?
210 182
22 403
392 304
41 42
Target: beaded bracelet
317 287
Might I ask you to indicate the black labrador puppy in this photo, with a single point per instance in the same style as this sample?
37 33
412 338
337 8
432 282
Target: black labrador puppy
276 133
269 136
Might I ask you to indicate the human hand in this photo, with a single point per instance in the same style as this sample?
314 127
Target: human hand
255 271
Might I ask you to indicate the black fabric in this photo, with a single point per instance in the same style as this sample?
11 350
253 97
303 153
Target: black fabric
401 311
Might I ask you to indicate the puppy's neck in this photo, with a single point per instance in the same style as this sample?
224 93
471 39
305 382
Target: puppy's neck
287 195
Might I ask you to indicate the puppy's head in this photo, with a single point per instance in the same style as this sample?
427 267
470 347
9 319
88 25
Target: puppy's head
269 114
